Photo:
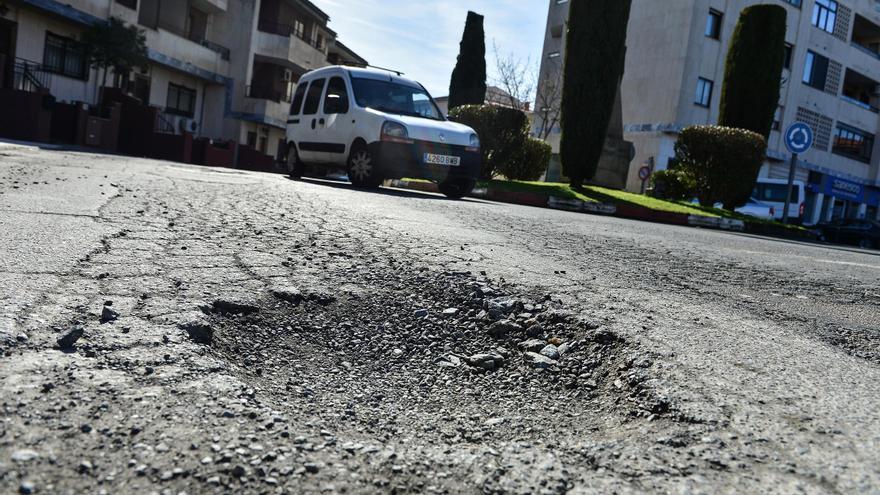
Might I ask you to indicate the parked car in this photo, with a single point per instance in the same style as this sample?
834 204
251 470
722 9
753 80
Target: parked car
378 125
753 208
757 209
862 233
772 193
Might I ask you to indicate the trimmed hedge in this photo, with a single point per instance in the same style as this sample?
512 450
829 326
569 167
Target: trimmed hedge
530 163
723 161
753 72
502 131
673 184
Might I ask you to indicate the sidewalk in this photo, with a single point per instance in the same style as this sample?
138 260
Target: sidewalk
628 211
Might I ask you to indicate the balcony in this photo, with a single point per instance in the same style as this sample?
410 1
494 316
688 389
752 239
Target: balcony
262 92
861 91
283 42
213 58
866 36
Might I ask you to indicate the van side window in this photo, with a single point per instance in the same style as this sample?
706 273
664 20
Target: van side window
336 100
298 98
313 97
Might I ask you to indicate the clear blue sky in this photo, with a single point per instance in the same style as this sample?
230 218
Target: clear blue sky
421 38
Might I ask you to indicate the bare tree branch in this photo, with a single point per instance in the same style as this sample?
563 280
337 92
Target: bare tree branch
515 77
548 100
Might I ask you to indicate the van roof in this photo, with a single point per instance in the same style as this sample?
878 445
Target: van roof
363 73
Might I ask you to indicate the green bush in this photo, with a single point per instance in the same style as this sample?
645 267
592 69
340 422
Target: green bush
530 163
753 73
723 161
502 132
673 184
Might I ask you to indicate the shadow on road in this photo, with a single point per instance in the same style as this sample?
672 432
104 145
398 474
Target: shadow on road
386 191
831 247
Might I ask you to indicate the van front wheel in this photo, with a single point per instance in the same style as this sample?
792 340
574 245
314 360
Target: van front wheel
362 167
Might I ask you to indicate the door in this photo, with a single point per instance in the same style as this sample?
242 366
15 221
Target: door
335 125
7 53
307 135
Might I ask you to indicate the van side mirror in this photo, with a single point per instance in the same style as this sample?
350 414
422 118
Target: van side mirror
451 118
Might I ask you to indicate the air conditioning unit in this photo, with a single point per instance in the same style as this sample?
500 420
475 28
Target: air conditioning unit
287 76
187 125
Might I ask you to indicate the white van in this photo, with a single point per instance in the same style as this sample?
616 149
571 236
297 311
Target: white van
772 192
377 125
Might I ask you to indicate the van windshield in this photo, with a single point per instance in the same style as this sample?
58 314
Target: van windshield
774 193
391 97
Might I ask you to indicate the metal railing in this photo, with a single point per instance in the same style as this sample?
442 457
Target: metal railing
163 125
30 76
860 103
288 31
222 50
264 93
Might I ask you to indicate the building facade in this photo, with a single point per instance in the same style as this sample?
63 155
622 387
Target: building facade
223 69
676 54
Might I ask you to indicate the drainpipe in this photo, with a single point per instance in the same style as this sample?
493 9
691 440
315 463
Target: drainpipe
202 111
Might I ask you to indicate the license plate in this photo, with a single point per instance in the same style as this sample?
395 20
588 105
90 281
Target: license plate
449 161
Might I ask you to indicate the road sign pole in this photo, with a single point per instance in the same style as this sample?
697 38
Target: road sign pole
791 172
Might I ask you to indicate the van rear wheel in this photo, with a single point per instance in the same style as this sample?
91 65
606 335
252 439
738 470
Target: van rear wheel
295 167
362 167
457 188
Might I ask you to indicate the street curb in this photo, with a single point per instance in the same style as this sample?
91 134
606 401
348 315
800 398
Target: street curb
627 211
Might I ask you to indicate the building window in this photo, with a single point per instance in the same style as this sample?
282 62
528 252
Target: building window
815 70
825 15
789 53
853 143
181 100
132 4
777 118
713 24
65 56
704 92
252 139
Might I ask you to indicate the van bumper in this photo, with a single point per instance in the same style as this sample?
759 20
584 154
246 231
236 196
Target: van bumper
399 160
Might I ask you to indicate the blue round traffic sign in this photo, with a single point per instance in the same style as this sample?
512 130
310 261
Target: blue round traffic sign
799 138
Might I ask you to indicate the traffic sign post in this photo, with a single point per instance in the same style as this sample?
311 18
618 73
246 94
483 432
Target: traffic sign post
798 139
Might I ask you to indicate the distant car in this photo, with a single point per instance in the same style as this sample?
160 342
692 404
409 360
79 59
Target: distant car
753 208
757 209
376 125
862 233
772 192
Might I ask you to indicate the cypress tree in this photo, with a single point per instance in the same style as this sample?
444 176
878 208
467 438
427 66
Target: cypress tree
753 73
468 85
594 59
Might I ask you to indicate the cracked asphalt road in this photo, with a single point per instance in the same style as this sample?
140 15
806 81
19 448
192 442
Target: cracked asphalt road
693 361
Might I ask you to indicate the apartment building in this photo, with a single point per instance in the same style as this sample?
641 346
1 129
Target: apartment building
676 54
222 69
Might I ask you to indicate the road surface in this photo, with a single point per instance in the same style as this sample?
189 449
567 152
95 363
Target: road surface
263 335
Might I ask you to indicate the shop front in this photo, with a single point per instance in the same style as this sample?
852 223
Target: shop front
833 198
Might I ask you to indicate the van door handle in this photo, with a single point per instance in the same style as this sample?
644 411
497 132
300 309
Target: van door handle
313 123
321 122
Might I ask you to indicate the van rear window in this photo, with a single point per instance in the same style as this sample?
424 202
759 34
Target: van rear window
298 98
313 97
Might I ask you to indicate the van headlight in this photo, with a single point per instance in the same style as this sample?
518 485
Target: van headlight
475 143
395 133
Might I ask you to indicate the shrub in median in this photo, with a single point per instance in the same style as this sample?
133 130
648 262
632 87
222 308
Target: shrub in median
530 163
723 161
502 133
673 184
